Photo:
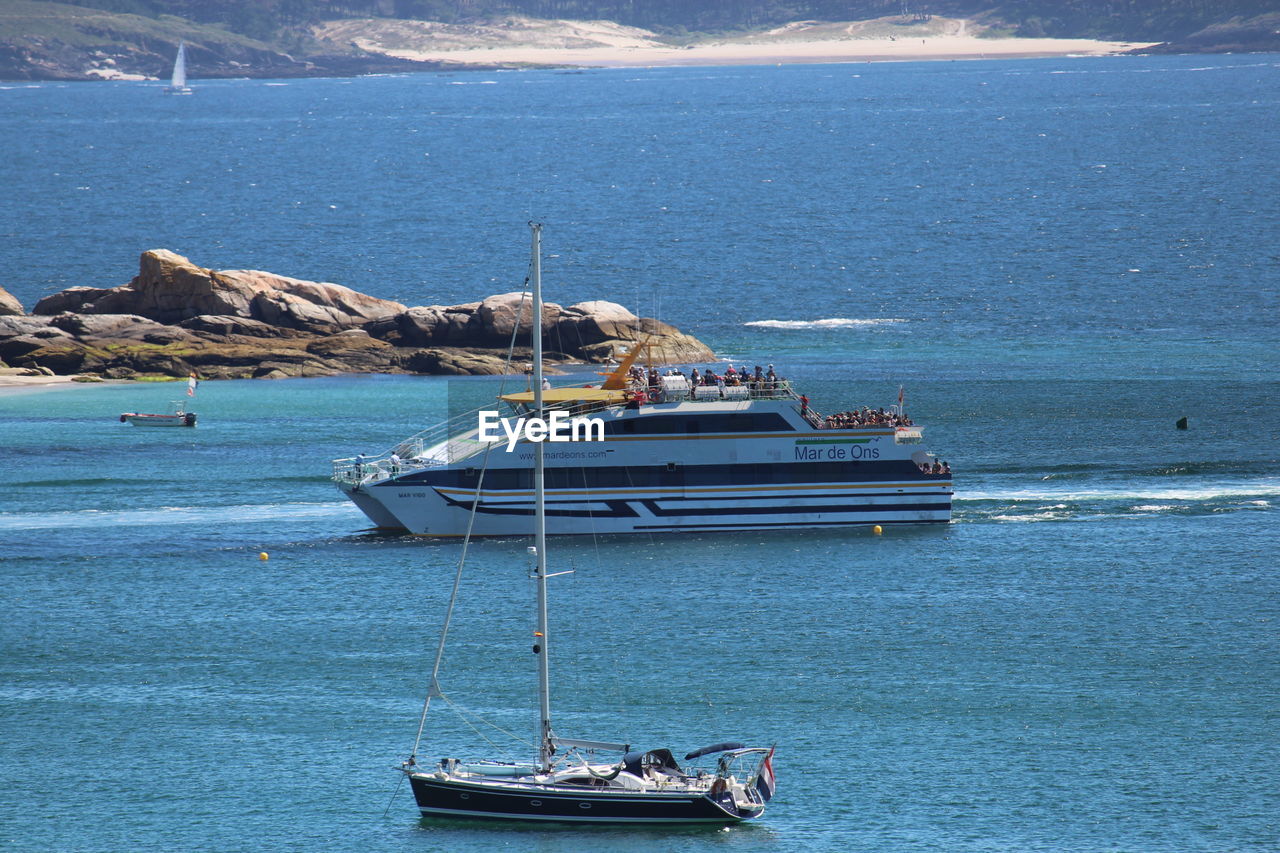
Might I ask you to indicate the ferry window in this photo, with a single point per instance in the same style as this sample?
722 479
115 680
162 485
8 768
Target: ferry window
709 423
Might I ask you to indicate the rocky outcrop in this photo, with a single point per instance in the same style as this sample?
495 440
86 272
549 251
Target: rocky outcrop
175 318
591 331
170 289
9 304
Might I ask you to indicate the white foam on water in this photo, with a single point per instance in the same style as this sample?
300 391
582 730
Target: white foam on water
170 515
1035 516
1210 492
827 323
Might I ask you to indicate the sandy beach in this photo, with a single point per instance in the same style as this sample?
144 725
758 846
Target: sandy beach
15 382
728 53
11 382
527 42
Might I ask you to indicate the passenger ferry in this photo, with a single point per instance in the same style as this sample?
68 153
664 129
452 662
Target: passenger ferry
673 457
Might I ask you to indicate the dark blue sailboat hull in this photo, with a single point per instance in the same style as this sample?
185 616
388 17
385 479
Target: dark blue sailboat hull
458 799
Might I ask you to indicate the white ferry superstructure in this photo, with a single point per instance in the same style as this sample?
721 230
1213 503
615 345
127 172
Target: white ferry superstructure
697 459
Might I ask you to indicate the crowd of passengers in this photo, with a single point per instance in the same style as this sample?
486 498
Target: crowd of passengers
761 380
865 416
936 467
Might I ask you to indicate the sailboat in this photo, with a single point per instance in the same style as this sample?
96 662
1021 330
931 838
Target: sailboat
568 781
178 82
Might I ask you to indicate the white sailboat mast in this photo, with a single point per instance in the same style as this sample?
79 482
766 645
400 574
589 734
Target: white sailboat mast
540 516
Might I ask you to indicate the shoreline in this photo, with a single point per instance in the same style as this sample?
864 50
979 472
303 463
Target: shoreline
35 383
825 51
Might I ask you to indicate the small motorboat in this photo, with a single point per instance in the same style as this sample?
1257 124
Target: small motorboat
179 417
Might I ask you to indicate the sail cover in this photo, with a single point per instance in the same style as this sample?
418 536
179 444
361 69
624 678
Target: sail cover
707 750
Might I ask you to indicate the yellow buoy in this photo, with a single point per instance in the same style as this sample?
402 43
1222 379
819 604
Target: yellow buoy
262 555
877 530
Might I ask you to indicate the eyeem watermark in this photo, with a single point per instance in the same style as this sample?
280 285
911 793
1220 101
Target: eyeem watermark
559 427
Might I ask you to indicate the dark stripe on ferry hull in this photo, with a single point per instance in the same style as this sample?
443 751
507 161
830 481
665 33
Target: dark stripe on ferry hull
782 525
682 476
786 510
444 798
619 508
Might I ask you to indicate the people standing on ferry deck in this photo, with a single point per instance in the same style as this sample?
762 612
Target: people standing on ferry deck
695 378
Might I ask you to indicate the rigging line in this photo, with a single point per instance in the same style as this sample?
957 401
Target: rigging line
434 687
468 716
387 810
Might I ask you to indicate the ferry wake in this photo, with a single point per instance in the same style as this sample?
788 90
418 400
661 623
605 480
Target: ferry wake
669 452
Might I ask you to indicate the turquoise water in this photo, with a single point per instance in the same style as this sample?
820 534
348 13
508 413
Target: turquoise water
1086 659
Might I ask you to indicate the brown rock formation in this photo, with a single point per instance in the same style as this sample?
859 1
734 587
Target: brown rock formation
175 317
9 304
170 289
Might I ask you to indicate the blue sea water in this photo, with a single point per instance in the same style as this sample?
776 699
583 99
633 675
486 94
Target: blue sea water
1056 258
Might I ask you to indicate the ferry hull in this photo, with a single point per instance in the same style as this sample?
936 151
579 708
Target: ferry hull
434 511
455 799
373 509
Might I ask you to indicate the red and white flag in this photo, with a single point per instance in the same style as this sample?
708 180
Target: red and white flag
765 781
901 397
192 382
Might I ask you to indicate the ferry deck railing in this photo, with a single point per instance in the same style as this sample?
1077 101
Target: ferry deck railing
453 441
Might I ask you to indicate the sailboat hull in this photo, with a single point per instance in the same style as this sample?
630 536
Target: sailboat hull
446 797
